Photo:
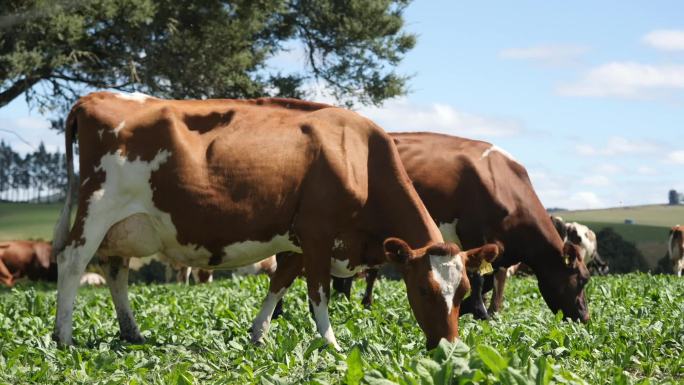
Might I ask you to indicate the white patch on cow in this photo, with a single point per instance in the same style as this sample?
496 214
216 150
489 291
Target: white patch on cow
262 322
118 128
340 268
448 230
246 252
135 96
123 213
323 320
125 192
338 244
100 132
495 148
586 245
447 271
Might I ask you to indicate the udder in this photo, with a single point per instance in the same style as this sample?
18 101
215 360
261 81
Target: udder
134 236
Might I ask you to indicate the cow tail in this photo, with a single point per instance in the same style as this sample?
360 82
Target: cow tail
61 231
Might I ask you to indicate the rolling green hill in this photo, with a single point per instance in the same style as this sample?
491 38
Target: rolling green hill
28 221
651 215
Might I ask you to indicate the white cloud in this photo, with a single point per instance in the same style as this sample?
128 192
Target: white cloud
608 168
675 157
553 55
619 146
646 170
665 39
596 181
402 115
585 199
25 133
627 80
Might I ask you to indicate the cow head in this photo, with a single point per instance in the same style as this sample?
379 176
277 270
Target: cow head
562 284
43 266
436 282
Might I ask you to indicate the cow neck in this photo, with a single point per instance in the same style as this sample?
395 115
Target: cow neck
545 250
397 209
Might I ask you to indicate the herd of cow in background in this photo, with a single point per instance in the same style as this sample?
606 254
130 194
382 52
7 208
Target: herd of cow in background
479 197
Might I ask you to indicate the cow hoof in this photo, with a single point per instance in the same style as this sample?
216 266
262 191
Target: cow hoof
367 303
136 339
61 343
481 316
257 341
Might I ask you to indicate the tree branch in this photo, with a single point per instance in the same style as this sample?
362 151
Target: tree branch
18 88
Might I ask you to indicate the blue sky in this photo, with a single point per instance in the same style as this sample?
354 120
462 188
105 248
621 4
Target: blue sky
588 95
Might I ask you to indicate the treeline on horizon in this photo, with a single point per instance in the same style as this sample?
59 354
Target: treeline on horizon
39 176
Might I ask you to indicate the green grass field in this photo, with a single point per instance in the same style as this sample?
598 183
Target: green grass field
28 221
199 335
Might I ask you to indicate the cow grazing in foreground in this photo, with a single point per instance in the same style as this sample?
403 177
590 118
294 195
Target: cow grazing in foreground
221 184
29 259
675 249
478 193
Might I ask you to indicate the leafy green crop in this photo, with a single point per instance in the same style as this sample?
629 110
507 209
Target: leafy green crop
199 335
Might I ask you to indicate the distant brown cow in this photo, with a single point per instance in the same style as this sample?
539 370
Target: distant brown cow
26 259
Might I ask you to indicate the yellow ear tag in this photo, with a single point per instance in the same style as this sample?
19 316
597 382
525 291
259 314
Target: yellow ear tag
566 260
485 267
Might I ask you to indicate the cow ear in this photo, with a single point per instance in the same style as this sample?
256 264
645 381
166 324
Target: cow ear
43 254
570 254
396 250
486 253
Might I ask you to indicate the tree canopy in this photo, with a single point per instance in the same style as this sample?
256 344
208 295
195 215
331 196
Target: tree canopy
53 51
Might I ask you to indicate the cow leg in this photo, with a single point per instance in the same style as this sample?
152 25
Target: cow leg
288 269
497 294
343 285
205 276
183 275
71 264
116 274
475 303
371 277
471 236
168 273
195 274
6 277
317 260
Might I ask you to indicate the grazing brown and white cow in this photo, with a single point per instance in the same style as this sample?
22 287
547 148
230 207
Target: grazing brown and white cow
676 249
585 239
478 193
221 184
30 259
